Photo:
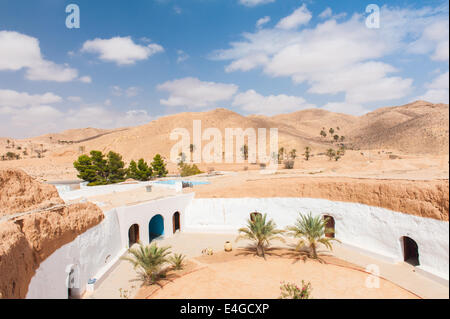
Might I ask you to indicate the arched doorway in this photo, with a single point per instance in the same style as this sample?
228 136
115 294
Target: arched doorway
72 282
176 222
253 216
410 251
156 227
330 225
133 235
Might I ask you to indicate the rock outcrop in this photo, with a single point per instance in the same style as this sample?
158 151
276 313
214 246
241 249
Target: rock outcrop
28 239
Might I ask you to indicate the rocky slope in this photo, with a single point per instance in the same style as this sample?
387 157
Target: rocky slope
27 240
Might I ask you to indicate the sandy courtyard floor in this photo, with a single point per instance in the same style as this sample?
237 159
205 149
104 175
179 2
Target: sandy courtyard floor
241 275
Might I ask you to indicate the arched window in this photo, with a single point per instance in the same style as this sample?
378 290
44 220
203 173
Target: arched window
176 222
133 235
330 225
156 227
410 251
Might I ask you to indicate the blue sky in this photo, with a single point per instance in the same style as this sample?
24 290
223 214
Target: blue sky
133 61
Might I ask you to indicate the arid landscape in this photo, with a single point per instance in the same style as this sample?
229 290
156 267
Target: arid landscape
407 142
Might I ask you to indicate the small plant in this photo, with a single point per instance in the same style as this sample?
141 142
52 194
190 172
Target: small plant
148 261
177 261
292 291
260 231
293 154
331 153
124 293
288 164
188 170
307 153
311 231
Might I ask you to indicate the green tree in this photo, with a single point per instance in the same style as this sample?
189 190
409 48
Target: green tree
307 153
159 166
140 171
331 153
115 168
86 169
244 150
293 154
280 155
148 261
323 133
336 137
311 232
191 149
342 138
331 131
260 231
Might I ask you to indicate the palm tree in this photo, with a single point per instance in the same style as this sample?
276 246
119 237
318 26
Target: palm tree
191 149
148 261
260 231
311 231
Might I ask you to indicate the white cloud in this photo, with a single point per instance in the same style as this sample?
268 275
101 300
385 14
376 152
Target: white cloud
86 79
121 50
75 99
438 90
192 92
132 91
326 13
262 21
434 39
252 102
11 98
129 92
40 119
253 3
299 17
182 56
19 51
337 56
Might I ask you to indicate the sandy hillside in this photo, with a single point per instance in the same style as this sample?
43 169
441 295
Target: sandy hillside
419 128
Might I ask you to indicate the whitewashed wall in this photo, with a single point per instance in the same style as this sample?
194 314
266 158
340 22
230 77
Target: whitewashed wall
141 214
90 253
372 229
94 252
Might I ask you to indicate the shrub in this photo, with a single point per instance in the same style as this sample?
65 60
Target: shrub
292 291
148 261
289 164
188 170
177 261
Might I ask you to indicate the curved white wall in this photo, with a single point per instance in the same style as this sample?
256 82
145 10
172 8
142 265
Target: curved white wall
91 252
94 252
372 229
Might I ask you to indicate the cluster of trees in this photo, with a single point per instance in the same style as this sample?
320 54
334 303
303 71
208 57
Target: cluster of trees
336 138
98 169
10 156
335 154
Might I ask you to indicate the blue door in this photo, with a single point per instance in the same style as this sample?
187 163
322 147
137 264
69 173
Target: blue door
156 227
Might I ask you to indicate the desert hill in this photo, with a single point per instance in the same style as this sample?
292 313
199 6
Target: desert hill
416 128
